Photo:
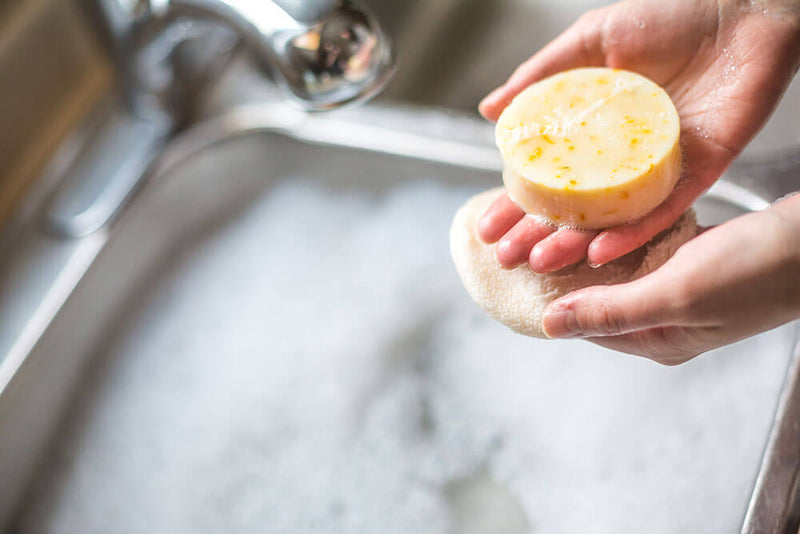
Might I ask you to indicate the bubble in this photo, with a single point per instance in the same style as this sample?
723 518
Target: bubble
704 130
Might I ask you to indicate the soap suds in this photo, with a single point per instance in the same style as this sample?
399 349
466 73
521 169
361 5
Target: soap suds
316 366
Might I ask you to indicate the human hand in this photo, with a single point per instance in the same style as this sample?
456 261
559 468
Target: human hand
730 282
724 63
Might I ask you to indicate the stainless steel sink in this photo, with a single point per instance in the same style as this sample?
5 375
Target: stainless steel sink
222 358
250 364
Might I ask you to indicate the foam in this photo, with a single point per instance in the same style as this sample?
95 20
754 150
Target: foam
315 366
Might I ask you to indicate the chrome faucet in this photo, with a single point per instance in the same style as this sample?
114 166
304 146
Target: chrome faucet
326 53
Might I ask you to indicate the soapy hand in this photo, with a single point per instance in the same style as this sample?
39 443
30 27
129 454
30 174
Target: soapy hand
724 63
728 283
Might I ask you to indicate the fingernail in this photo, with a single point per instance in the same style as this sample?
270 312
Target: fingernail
560 323
594 265
534 261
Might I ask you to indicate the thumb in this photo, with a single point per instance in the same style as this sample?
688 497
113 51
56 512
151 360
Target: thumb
611 310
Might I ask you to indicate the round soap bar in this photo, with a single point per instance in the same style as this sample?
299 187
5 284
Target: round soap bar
590 147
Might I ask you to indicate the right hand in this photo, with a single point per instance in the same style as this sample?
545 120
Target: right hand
724 63
733 281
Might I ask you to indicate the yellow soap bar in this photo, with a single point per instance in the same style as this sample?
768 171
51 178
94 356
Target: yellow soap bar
590 147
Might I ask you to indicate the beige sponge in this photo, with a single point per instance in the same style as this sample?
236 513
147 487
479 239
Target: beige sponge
518 297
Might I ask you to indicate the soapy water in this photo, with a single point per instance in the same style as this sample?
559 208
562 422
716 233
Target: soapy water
316 366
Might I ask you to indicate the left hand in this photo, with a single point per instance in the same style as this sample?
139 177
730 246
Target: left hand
730 282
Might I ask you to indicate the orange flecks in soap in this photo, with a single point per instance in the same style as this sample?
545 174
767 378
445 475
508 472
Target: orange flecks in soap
601 147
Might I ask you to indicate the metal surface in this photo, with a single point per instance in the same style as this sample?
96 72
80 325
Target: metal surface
325 52
101 176
775 505
771 176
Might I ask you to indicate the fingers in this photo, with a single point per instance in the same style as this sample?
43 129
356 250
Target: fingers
573 48
612 310
519 232
523 238
620 240
515 246
501 216
562 248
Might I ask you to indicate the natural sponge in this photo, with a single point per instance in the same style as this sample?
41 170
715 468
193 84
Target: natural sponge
590 147
518 297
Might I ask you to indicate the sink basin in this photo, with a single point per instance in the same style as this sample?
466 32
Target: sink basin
276 339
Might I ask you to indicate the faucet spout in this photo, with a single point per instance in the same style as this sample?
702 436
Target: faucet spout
325 52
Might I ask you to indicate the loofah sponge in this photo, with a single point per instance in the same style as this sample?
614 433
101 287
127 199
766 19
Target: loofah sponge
518 297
